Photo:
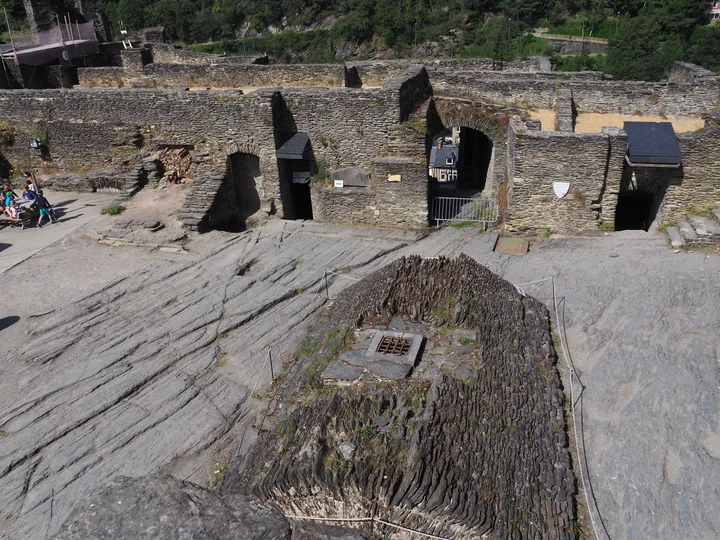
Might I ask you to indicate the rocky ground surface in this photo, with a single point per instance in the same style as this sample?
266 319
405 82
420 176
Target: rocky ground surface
159 506
127 369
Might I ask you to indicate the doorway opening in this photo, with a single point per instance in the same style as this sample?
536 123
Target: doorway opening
238 197
460 161
634 211
295 177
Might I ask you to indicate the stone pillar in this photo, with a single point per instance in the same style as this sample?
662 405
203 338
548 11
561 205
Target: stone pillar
617 148
134 60
565 117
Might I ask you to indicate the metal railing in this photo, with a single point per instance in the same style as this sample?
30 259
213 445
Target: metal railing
464 210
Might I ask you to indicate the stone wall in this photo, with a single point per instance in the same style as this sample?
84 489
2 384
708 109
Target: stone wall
591 163
216 75
699 189
376 72
590 93
347 127
102 77
94 129
565 111
164 53
241 75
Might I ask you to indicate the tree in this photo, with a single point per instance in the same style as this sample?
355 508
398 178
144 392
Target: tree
633 54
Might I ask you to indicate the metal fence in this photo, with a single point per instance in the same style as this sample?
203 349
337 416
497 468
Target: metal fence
464 210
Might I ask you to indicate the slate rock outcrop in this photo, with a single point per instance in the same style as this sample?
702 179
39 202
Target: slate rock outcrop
160 506
478 455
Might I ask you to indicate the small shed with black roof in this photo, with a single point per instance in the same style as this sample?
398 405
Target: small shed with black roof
652 144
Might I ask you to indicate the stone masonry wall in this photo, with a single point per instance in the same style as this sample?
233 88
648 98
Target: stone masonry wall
102 77
699 189
94 129
377 72
347 127
591 163
164 53
215 75
601 96
241 75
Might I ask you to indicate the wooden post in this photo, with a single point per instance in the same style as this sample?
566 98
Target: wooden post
272 372
327 293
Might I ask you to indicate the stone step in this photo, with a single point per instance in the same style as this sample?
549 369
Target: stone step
686 230
704 226
676 239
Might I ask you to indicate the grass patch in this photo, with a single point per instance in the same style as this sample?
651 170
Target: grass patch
113 209
663 226
217 475
461 224
464 341
607 227
548 233
255 395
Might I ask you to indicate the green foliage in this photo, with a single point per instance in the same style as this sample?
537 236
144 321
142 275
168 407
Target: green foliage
580 62
645 37
113 209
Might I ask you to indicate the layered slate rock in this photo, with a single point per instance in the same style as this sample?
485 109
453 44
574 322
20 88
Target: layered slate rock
475 454
160 506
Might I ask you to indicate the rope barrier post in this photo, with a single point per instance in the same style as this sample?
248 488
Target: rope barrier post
272 373
327 293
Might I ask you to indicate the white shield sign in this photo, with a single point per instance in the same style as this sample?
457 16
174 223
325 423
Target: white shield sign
561 189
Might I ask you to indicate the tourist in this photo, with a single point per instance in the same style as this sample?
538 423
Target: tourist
13 211
8 195
45 209
29 193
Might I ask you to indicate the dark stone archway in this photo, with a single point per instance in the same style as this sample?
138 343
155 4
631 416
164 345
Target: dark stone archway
238 197
491 124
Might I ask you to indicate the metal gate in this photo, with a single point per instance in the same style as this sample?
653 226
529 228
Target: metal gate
464 210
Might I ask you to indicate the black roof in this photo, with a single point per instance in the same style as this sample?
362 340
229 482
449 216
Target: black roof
293 147
438 156
652 143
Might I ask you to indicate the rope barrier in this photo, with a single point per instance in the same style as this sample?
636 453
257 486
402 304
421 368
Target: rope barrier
373 519
239 416
342 275
571 371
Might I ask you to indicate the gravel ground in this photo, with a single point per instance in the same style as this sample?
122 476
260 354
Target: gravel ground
642 325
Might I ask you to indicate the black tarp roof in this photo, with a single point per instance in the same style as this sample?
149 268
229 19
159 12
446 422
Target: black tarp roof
293 147
652 143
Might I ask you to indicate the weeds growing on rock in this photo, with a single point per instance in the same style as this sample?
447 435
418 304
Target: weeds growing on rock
113 209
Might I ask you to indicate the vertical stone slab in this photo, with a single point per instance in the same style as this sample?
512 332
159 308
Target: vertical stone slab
617 147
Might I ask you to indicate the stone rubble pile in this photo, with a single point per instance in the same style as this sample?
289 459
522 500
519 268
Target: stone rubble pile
474 453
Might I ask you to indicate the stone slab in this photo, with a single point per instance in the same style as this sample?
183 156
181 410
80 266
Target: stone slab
716 213
676 239
341 371
512 245
686 230
704 226
389 370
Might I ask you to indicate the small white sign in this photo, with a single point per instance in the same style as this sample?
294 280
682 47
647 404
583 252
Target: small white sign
561 189
338 183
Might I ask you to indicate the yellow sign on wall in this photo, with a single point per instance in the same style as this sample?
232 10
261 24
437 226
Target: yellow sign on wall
394 178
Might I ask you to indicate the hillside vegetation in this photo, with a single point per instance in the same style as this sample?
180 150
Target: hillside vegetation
646 36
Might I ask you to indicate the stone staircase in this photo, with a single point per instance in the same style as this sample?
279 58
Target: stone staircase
703 230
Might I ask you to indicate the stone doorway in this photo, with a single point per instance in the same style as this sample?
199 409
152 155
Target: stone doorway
238 197
460 162
295 187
